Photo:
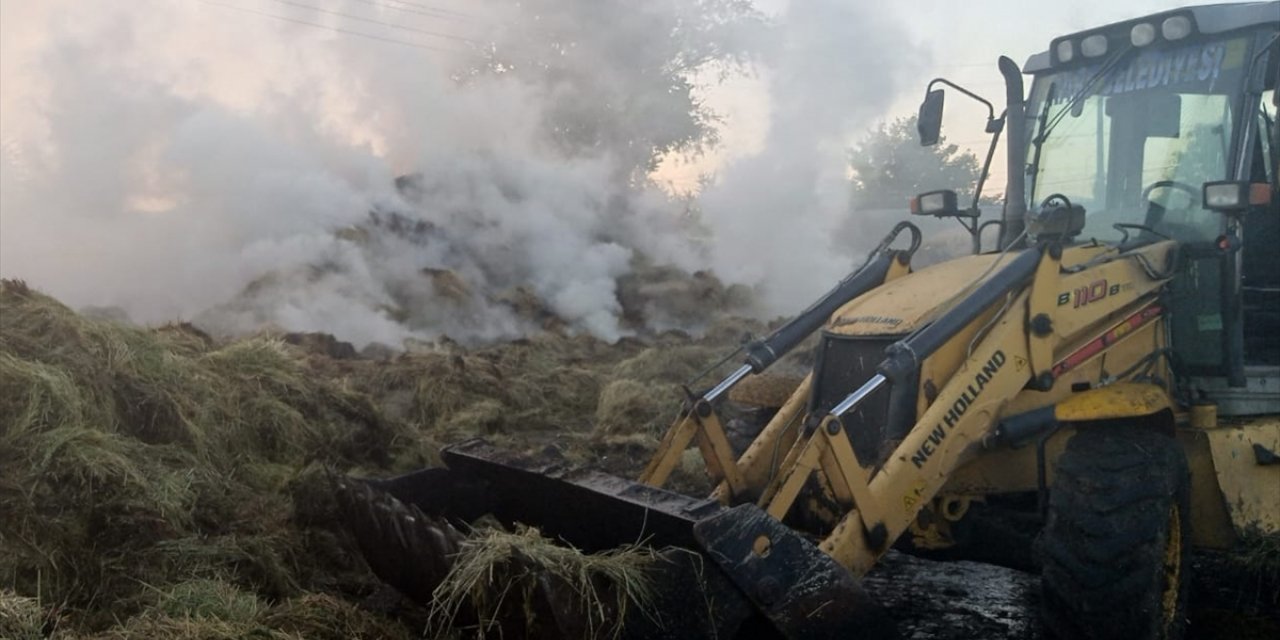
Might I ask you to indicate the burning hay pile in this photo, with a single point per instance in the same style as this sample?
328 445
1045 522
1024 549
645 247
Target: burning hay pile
162 483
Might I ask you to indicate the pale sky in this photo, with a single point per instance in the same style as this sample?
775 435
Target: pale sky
963 40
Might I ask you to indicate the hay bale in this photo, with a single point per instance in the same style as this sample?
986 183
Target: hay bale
503 576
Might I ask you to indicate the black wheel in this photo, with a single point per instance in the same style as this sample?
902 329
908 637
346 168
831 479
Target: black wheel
1114 551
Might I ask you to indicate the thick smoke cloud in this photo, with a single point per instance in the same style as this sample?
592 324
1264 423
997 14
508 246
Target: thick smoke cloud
835 67
186 160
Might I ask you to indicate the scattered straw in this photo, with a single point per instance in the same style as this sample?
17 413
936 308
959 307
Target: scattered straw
157 482
20 618
498 571
207 598
1260 552
133 457
324 617
629 406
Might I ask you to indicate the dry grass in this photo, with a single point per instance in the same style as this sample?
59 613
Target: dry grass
209 598
765 390
21 618
324 617
670 365
158 483
1260 552
134 457
151 625
497 572
629 406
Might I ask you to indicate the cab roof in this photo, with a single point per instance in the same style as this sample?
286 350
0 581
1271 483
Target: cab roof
1208 19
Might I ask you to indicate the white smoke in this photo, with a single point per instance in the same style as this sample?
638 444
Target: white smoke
170 156
835 67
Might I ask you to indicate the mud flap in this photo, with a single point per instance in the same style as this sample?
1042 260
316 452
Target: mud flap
803 591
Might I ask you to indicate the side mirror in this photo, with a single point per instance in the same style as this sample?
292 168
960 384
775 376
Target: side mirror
939 204
929 122
1231 196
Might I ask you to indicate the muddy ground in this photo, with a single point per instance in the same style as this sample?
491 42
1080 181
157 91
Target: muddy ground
961 599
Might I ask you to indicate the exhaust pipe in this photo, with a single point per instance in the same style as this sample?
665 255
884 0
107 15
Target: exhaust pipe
1015 199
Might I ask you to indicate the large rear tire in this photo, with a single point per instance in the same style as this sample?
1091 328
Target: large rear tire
1114 551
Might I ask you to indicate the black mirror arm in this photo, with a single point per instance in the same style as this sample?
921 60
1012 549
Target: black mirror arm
994 126
991 111
986 164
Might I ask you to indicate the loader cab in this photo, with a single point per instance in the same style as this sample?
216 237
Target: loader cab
1130 121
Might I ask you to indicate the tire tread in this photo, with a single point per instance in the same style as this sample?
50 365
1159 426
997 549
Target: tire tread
1102 548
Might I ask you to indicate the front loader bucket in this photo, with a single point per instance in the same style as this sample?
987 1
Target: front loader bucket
590 510
410 527
800 589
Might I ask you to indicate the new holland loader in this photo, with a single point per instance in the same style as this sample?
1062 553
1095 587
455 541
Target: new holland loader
1109 367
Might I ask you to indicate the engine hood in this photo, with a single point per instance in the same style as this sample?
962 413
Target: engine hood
910 302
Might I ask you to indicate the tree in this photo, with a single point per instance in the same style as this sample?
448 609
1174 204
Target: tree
618 76
889 166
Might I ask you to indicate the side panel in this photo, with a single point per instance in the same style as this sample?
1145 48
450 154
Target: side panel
1118 355
1248 470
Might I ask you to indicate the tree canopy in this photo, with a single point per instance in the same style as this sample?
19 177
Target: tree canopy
619 76
889 166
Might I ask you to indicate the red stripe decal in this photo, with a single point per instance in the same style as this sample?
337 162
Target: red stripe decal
1093 348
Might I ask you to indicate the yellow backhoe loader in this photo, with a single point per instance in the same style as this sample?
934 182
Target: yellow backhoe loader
1111 363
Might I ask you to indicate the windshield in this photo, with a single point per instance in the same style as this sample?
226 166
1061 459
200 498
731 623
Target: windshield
1141 138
